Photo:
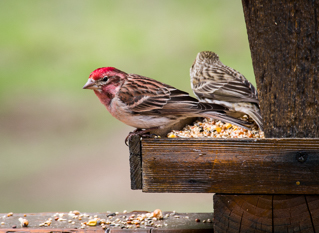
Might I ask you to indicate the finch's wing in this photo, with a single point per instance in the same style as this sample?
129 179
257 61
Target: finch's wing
142 94
224 83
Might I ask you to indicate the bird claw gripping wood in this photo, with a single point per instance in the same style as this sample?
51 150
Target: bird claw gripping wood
138 132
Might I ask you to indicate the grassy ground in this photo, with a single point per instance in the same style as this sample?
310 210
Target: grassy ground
59 148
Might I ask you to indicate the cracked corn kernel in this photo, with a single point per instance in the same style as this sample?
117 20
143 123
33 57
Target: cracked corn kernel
92 222
228 125
218 129
171 136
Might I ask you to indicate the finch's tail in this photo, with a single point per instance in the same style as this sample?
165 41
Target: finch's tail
223 117
256 116
221 113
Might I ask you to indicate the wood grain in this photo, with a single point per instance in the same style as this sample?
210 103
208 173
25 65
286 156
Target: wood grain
264 213
135 162
243 213
237 166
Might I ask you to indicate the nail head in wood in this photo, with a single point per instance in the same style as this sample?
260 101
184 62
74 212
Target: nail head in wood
302 156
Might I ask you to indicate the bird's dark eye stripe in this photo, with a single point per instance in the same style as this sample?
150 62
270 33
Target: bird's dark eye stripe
105 79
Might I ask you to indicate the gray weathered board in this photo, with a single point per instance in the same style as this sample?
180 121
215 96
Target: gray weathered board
118 223
242 166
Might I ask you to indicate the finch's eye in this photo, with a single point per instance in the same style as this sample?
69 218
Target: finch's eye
105 79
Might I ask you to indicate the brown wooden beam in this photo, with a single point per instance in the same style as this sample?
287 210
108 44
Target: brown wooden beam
238 166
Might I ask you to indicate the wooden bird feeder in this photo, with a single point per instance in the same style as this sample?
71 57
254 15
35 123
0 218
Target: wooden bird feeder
261 185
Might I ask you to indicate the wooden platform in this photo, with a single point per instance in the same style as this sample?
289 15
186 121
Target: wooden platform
234 166
115 223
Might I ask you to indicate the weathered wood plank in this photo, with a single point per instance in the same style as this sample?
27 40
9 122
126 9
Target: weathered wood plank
118 223
237 166
135 162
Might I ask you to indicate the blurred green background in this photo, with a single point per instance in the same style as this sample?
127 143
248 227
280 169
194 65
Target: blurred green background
60 149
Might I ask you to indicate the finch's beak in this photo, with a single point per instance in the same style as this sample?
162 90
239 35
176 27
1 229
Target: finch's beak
90 84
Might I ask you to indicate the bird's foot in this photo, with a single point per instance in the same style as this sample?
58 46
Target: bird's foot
142 133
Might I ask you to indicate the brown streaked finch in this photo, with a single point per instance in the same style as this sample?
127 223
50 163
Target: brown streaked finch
149 105
213 82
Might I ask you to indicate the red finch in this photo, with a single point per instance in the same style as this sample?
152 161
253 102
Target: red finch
213 82
149 105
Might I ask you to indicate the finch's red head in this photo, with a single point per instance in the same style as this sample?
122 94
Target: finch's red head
101 72
103 76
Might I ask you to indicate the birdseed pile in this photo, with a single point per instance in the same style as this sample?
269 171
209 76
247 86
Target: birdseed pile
211 128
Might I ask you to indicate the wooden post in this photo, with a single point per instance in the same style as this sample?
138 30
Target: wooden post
284 42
